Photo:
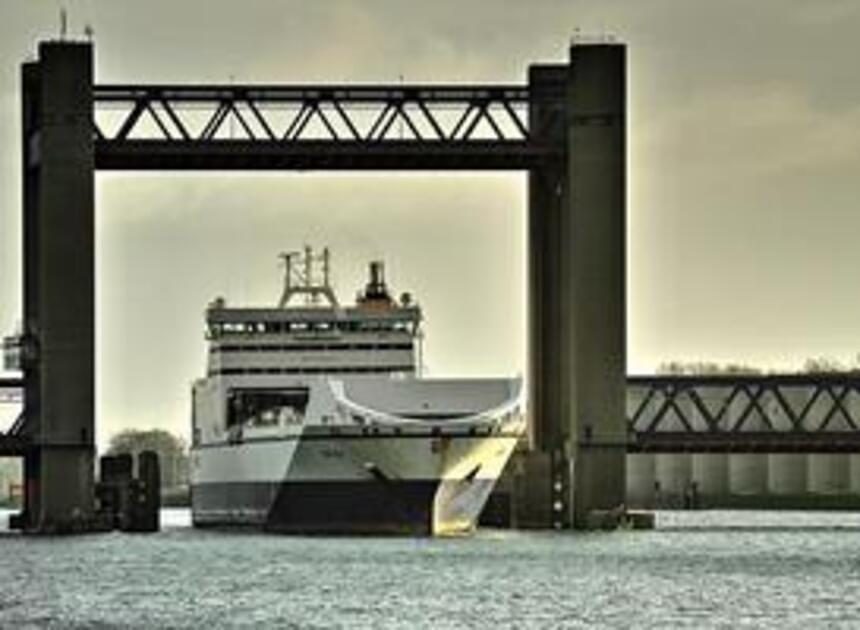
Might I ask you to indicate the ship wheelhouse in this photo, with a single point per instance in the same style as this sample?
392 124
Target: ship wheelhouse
261 361
312 341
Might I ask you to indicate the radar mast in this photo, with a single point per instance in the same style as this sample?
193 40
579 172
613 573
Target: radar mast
307 274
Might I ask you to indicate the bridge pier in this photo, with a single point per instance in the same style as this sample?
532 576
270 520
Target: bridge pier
59 279
577 276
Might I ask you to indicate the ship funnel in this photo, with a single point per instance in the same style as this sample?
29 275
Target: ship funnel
376 289
377 274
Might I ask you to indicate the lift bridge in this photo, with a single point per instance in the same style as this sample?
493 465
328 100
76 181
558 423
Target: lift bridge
565 127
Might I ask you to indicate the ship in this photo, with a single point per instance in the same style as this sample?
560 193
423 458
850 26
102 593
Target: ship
315 418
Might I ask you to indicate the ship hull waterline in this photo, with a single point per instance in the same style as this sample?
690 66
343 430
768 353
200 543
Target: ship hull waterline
358 498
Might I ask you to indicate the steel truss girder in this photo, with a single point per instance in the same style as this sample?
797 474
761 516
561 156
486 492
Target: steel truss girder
317 154
331 127
774 413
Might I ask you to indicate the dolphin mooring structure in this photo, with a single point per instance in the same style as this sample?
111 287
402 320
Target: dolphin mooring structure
566 127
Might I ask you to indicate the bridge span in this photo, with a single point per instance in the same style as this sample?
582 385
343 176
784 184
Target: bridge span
779 413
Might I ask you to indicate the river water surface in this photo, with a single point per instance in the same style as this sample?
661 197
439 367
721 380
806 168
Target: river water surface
696 570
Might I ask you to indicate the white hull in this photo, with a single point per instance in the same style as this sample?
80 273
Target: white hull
242 482
311 418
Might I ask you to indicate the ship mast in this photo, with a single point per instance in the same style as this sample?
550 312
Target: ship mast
301 277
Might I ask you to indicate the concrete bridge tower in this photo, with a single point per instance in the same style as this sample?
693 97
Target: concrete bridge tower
577 290
59 287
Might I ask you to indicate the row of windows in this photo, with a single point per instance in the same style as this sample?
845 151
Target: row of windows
308 347
219 328
316 370
266 407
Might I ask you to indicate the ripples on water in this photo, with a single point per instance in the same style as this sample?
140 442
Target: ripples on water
699 569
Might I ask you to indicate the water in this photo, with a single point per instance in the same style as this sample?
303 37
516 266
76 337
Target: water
697 570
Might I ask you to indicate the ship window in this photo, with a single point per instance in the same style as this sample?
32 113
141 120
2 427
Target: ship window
266 407
298 326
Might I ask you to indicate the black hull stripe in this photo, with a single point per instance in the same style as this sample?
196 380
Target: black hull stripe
355 436
341 507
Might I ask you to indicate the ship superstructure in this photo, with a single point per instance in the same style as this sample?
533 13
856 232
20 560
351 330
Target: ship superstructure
312 417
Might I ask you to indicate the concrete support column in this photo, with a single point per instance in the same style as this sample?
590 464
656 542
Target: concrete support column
592 335
577 275
30 120
532 491
854 474
747 471
641 469
641 477
786 473
59 285
829 473
546 206
710 473
673 474
537 492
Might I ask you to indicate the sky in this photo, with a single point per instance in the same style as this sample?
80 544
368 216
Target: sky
744 142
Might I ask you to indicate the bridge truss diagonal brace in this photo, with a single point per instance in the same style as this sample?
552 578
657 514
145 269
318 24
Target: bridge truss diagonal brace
317 128
794 413
296 113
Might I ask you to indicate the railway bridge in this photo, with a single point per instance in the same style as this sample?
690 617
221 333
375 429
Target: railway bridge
565 126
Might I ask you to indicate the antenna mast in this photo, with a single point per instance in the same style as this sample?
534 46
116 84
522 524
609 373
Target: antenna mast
301 278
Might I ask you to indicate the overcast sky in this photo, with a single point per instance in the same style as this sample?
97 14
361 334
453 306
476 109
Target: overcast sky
744 136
